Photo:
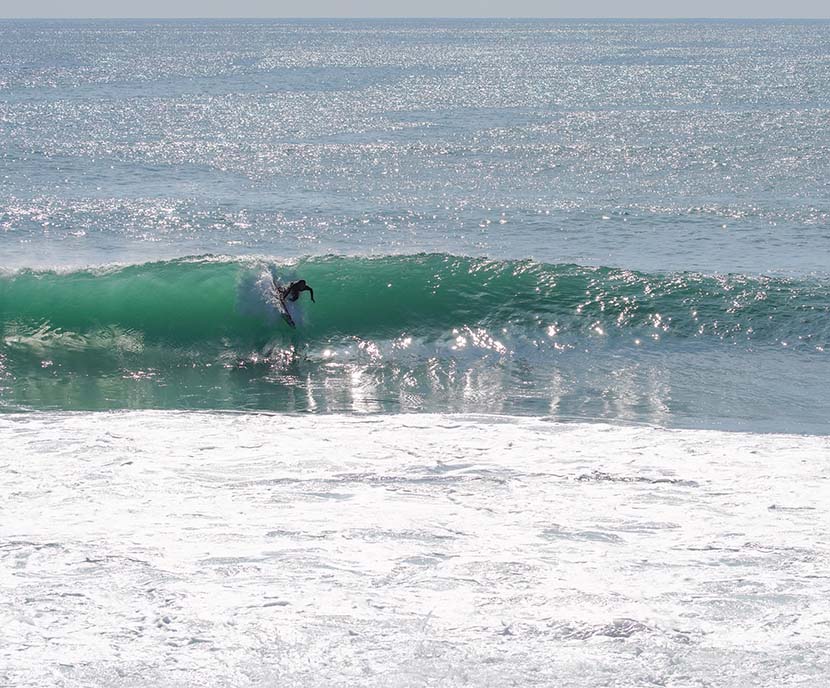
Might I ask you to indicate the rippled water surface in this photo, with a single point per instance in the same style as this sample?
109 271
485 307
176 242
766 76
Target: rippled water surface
652 198
651 145
678 148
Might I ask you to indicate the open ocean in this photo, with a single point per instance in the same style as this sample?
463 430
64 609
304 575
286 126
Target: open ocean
559 416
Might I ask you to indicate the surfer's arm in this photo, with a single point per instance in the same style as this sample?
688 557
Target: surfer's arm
311 292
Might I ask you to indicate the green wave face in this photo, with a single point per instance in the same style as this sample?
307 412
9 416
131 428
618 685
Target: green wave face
205 332
217 303
204 301
173 302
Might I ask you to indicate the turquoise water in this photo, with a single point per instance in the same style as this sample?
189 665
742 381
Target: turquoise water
616 220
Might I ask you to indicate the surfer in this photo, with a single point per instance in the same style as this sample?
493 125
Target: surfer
290 294
292 291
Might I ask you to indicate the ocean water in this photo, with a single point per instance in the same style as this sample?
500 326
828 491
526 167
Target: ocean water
557 416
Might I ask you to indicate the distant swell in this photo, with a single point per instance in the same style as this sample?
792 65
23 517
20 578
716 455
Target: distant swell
210 304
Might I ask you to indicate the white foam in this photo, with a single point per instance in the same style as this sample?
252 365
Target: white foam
226 549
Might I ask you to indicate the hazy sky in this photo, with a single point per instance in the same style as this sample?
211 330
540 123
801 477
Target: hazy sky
415 8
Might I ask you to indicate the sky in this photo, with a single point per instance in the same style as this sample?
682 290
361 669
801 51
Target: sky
416 8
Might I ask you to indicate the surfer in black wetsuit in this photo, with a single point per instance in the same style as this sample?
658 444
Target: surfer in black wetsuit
292 291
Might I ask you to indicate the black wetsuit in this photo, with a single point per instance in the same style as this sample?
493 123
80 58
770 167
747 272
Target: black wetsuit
292 291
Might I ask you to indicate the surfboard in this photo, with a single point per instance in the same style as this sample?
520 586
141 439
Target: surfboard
283 310
277 299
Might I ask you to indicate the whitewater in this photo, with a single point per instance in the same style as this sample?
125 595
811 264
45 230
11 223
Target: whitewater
557 416
172 549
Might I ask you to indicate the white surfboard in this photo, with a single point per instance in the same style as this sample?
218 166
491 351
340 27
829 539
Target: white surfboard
277 299
282 307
